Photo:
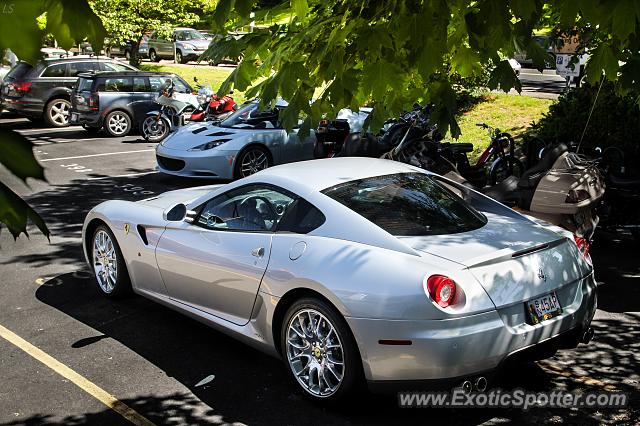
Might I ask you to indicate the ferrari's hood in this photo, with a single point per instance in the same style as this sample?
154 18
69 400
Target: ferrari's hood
184 196
194 134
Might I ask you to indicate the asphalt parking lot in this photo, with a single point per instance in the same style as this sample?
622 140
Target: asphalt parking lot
173 370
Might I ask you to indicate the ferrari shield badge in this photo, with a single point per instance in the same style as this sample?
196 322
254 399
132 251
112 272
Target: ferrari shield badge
126 228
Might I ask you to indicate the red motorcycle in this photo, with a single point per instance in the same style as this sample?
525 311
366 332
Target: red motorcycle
212 107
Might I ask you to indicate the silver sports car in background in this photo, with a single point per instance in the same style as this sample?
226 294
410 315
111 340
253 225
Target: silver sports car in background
249 140
353 269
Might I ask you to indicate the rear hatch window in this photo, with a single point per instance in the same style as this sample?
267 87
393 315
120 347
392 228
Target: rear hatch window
19 71
84 84
408 204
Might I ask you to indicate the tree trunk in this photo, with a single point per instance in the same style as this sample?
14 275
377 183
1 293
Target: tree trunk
134 59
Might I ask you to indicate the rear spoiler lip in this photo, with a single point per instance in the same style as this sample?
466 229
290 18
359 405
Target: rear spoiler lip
511 253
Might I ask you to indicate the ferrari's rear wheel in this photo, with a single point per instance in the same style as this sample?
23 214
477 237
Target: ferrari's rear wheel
108 264
320 351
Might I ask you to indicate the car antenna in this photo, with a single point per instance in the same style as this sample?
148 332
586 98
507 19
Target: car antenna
590 112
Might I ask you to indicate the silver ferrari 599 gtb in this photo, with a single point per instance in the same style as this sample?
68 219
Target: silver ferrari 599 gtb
353 270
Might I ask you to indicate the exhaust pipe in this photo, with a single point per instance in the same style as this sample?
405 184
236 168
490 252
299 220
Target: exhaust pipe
481 384
588 335
467 387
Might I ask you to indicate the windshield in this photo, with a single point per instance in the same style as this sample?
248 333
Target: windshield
250 116
408 204
189 35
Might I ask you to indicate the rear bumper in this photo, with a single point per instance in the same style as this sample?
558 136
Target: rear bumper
89 119
22 107
446 350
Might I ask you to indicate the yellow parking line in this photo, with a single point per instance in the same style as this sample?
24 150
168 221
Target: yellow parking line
582 379
89 387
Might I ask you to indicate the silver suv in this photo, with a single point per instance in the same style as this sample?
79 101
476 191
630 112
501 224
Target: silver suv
189 45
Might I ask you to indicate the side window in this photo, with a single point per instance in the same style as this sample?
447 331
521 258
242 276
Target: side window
77 67
116 84
155 83
249 208
301 218
57 70
140 84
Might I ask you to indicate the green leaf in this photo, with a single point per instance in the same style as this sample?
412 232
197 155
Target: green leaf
504 77
15 212
624 17
602 59
466 62
523 8
16 154
243 7
222 12
300 8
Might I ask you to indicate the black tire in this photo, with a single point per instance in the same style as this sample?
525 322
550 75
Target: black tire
255 152
122 283
152 133
153 56
179 58
501 170
57 112
352 375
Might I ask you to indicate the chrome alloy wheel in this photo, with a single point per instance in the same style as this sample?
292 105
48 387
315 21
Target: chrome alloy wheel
118 124
105 261
59 112
253 161
315 353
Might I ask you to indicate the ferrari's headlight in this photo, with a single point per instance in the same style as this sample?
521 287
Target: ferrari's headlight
209 145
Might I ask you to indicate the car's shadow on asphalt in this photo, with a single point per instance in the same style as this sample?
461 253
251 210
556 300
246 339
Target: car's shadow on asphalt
253 388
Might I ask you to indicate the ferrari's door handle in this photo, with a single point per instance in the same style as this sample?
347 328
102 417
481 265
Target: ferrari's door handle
257 252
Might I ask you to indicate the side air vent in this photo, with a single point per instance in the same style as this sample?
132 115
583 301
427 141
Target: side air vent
143 234
215 134
199 130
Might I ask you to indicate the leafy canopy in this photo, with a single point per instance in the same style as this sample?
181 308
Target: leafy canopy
392 53
23 26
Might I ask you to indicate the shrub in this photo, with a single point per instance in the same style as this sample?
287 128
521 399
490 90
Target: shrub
615 120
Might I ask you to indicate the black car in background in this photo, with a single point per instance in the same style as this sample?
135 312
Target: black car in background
43 91
118 101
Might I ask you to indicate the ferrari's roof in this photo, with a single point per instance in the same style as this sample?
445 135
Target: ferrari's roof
317 175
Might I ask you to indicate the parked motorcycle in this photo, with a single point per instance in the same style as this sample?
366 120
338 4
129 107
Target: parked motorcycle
173 107
497 162
211 106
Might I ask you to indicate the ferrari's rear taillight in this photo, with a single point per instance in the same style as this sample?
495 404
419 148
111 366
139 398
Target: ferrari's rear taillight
21 87
441 289
94 102
583 245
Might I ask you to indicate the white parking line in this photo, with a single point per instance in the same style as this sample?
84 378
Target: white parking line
48 130
120 176
96 155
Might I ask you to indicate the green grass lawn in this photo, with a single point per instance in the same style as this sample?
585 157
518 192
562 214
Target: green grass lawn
510 113
211 76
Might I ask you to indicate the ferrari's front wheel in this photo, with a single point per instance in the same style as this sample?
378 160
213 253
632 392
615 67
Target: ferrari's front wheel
320 352
108 264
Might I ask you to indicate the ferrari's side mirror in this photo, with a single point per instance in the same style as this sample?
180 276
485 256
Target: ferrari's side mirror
176 213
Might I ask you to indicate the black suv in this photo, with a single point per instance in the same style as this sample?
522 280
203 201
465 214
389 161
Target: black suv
118 101
43 91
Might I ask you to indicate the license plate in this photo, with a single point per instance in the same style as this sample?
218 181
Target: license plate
544 308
